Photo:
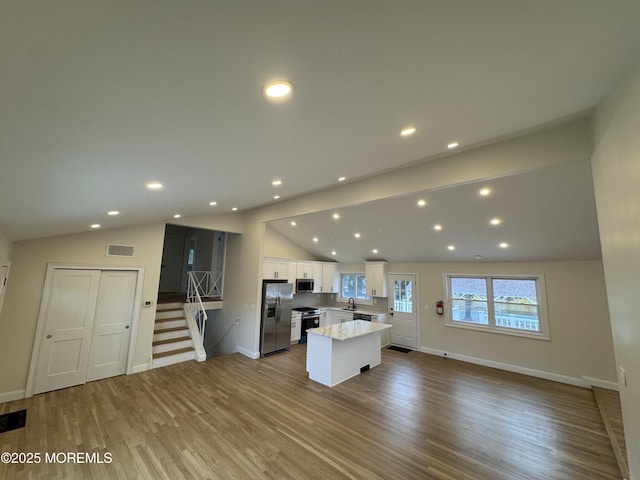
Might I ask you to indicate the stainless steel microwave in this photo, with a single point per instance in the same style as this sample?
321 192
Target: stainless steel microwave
304 285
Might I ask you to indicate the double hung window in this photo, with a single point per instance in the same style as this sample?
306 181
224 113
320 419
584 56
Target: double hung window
504 304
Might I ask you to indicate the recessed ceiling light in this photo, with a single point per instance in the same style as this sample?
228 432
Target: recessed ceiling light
437 227
336 216
177 215
478 257
357 235
334 252
504 245
422 202
375 250
315 239
278 90
342 179
293 223
276 197
495 221
485 192
154 186
276 183
451 247
234 209
452 145
213 204
408 131
113 212
95 225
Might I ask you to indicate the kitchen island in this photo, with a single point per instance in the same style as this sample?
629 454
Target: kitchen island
338 352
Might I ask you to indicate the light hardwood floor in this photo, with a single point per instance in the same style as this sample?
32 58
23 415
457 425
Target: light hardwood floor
415 416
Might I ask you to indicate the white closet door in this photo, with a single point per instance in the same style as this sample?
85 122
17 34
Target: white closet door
68 328
112 326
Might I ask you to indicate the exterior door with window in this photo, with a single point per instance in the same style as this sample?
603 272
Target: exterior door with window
403 313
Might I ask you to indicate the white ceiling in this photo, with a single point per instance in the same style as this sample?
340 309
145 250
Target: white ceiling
98 98
545 215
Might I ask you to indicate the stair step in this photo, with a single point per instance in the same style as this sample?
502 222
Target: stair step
172 352
169 319
170 340
167 330
168 310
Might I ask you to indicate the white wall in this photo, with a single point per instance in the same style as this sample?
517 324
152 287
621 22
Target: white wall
21 307
5 247
616 175
277 245
580 348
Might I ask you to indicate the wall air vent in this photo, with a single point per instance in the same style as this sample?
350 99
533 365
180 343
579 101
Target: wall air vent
120 250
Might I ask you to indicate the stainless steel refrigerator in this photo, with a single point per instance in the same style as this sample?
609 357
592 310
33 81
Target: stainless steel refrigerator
275 329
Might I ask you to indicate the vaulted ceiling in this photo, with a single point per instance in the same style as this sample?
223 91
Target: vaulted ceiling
99 98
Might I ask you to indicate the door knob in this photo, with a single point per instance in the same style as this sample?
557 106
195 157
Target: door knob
49 336
127 326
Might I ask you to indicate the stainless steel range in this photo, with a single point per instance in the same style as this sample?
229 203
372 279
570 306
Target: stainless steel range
310 319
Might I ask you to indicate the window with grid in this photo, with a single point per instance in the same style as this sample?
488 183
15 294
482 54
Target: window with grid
503 304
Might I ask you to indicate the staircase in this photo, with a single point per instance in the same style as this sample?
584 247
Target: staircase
172 341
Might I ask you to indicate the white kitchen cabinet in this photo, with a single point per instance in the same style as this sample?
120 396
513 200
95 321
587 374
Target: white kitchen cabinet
277 268
296 324
376 277
317 277
330 278
342 316
304 270
330 318
323 317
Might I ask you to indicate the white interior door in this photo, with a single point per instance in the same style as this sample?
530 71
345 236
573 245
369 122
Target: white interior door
403 312
68 326
112 325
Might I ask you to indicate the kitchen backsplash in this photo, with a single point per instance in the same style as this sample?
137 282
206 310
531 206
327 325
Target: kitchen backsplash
329 300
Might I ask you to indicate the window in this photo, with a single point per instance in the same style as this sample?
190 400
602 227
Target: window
504 304
353 285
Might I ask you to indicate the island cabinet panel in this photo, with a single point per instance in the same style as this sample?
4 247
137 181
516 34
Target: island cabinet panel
347 358
339 352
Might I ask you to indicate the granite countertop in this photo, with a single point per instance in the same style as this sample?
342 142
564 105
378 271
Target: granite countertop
347 330
357 310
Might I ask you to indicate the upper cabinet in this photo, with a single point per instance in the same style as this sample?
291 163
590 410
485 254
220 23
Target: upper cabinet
304 270
376 275
277 268
329 280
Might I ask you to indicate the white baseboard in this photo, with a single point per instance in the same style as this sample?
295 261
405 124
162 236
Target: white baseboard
597 382
143 367
11 396
585 382
247 353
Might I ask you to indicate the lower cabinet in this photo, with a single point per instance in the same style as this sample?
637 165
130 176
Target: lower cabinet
296 325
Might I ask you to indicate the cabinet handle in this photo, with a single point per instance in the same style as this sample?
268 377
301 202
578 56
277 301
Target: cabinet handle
49 336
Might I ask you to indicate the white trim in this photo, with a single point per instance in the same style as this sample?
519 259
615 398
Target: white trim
541 291
584 382
11 396
597 382
142 367
196 339
247 353
46 294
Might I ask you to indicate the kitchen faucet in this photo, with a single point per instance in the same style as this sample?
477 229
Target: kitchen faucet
352 303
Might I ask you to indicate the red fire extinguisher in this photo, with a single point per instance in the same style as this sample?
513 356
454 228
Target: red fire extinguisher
440 308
